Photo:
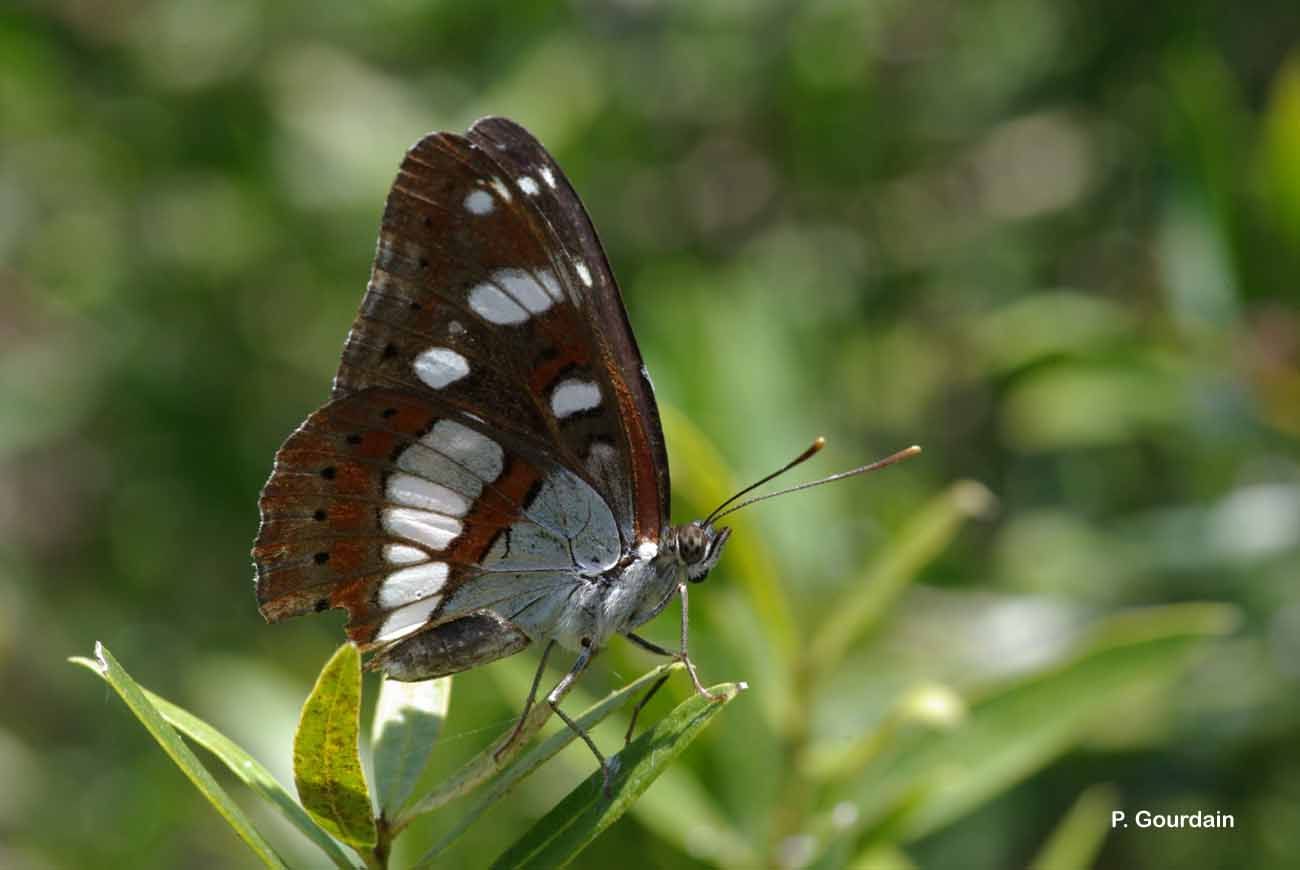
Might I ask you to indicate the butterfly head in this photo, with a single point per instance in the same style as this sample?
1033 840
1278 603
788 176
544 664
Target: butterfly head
699 546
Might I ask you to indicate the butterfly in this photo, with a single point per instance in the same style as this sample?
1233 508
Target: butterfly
490 471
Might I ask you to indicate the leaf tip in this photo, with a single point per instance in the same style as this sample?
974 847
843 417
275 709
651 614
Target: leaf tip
101 661
974 499
725 692
935 705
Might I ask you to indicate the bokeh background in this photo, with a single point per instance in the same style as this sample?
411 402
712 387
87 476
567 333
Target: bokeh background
1056 242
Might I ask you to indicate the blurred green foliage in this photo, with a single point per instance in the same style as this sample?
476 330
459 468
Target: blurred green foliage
1055 242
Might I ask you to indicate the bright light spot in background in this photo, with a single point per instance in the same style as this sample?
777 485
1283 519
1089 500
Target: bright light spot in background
1257 521
1031 166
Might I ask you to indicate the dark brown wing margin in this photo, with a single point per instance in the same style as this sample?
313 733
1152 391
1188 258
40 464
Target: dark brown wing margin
518 153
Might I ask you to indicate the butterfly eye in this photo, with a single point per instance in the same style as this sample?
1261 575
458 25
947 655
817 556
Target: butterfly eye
691 544
700 548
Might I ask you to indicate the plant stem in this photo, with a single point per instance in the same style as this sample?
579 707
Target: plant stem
377 858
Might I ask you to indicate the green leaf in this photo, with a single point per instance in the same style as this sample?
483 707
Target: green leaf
927 705
708 483
881 856
542 753
710 837
751 565
253 774
869 598
326 761
408 719
558 837
480 768
1018 729
1279 165
1078 838
107 667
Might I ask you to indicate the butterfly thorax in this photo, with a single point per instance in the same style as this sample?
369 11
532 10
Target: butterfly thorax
641 586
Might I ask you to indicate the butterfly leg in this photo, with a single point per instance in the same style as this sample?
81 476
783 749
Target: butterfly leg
528 705
682 655
557 694
686 656
645 699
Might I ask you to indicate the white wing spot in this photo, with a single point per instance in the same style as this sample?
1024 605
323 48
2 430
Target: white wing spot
424 459
571 396
528 186
407 620
455 328
432 530
583 272
440 366
476 452
401 554
495 306
479 202
524 289
501 189
412 584
408 490
647 551
552 286
548 177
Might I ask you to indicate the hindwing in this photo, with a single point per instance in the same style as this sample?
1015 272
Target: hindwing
407 512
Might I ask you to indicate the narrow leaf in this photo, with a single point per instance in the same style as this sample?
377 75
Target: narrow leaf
678 793
1078 838
681 812
326 761
539 755
408 719
870 597
481 767
926 705
252 772
708 483
558 838
1020 728
107 667
881 856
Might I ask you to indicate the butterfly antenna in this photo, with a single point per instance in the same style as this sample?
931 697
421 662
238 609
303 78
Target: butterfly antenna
812 451
719 513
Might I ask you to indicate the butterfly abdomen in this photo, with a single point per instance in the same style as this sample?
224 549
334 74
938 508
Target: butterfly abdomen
450 648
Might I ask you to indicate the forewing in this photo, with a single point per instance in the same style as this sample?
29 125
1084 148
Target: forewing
643 459
490 292
407 511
